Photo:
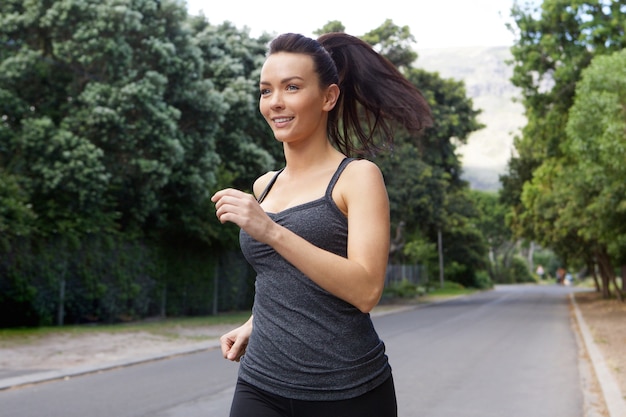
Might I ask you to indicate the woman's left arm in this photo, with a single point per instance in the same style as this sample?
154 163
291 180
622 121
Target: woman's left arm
362 195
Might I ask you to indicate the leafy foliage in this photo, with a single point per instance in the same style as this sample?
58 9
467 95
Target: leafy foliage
117 122
563 187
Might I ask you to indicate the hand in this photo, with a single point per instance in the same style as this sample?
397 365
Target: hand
234 343
242 209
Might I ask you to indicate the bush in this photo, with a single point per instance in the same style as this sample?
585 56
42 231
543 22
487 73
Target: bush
483 280
518 272
403 289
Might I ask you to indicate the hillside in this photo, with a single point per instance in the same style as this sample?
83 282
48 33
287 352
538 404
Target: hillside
486 76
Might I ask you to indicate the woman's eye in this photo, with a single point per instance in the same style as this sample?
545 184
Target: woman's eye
292 87
265 91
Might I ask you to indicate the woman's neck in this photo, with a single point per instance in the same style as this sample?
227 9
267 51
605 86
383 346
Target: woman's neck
303 159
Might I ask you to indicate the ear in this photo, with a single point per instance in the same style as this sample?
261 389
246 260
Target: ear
331 97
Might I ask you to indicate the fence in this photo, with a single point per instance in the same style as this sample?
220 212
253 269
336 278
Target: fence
396 273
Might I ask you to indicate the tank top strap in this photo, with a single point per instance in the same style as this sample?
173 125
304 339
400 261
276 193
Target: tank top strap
269 186
331 185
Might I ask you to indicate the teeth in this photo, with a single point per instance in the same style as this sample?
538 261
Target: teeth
282 120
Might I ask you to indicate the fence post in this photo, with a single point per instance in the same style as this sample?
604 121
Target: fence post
440 248
61 306
215 289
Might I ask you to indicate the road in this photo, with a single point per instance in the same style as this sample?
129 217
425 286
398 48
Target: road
508 352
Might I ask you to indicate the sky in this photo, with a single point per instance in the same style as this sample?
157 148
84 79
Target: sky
434 24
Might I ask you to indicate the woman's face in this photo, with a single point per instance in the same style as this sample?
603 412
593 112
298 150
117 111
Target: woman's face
291 100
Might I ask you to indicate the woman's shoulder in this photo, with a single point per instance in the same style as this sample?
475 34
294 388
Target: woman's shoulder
362 170
360 183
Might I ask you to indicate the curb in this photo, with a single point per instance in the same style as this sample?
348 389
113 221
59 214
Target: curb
610 390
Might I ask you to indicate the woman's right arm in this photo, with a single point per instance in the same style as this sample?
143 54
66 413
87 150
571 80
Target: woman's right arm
234 342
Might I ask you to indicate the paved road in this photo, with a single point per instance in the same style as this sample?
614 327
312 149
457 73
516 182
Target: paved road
508 352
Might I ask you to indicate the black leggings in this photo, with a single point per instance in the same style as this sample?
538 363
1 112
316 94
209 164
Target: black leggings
250 401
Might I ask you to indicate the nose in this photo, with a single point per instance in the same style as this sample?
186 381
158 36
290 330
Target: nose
276 100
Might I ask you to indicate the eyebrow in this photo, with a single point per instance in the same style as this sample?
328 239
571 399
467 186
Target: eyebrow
284 80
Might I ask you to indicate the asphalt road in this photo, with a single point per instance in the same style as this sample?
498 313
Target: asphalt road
508 352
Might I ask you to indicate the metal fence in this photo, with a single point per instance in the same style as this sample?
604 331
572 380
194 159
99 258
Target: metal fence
396 273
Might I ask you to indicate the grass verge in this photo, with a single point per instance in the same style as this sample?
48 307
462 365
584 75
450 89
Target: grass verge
159 326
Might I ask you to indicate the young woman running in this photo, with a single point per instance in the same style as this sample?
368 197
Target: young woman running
317 232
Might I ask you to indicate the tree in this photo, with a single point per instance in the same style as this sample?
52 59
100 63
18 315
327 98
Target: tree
16 215
110 119
331 26
123 85
595 151
393 42
555 43
577 200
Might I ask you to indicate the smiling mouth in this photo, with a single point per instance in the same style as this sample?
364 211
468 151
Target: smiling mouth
282 119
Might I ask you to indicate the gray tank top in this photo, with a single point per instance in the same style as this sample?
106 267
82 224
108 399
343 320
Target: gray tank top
306 343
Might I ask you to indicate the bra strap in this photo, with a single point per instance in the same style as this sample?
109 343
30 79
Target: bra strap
269 186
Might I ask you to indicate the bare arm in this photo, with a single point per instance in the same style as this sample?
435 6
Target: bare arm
362 195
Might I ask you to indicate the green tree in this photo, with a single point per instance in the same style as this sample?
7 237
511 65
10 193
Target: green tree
595 153
577 199
123 84
16 215
113 117
331 26
232 61
556 41
393 42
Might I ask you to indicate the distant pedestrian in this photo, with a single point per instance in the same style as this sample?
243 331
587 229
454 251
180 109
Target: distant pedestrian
540 271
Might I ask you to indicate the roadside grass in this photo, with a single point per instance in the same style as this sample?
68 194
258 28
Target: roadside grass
449 289
405 290
168 327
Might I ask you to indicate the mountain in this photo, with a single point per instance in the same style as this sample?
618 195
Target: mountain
486 76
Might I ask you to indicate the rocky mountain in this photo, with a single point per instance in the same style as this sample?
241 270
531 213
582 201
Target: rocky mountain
486 76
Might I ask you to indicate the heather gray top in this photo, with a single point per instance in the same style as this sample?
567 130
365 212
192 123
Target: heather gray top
306 343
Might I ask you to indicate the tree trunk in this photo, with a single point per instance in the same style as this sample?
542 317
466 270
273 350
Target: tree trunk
531 253
592 268
606 272
618 291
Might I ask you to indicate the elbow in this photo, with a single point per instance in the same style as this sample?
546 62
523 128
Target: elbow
369 301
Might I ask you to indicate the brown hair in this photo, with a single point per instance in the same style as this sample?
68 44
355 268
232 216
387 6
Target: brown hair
374 94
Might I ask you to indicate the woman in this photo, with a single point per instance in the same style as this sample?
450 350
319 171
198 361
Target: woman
317 232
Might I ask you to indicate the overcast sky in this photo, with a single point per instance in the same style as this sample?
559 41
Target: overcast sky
434 24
